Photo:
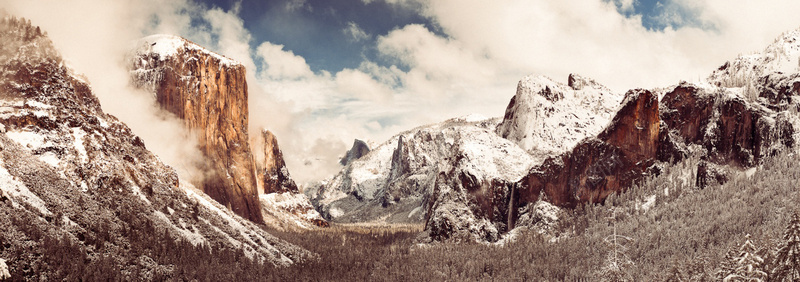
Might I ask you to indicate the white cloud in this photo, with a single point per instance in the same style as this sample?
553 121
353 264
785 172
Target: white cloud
625 5
279 64
294 5
354 32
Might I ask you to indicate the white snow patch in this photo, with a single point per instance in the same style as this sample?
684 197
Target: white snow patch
191 236
414 211
50 158
335 212
472 118
77 135
649 202
37 104
289 208
169 45
4 274
550 118
18 190
239 225
750 172
27 139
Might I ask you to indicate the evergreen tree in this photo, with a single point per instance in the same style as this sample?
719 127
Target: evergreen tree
617 262
788 259
748 264
727 266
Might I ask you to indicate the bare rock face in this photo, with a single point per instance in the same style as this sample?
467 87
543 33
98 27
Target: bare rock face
272 172
282 205
709 174
209 93
730 129
600 166
359 149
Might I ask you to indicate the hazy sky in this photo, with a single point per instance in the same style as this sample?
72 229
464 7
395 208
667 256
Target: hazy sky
323 72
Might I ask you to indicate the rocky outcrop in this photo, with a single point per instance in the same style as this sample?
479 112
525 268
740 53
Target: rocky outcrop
548 118
78 185
209 92
730 129
272 172
359 149
709 174
599 166
426 175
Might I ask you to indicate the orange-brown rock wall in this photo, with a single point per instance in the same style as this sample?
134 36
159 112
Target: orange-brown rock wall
211 96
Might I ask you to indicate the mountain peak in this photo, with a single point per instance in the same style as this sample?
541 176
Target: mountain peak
782 56
166 45
546 117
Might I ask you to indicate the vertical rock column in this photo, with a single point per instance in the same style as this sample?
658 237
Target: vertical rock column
209 93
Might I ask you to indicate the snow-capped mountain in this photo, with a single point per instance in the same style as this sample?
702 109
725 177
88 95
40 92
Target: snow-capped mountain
748 112
547 117
76 180
395 180
209 92
782 56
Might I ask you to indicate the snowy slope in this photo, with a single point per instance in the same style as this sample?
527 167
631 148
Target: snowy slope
393 180
547 118
783 56
70 171
165 45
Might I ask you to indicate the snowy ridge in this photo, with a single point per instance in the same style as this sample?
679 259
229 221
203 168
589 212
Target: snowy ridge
289 210
404 172
782 56
547 118
166 46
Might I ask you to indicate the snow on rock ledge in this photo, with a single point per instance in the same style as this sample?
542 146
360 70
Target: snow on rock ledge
394 182
547 118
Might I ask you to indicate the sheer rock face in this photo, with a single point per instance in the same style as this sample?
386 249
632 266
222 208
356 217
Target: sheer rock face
359 149
272 172
209 93
730 129
599 166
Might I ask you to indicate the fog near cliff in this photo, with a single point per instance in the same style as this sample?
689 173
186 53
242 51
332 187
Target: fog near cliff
94 37
470 65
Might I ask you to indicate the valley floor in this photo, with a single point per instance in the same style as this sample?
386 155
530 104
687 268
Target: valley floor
672 230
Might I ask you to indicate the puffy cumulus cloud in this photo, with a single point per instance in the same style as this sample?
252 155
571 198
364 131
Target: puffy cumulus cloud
625 5
357 84
232 39
281 64
591 37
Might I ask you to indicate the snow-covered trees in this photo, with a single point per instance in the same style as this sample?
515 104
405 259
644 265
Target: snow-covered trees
727 266
787 264
617 261
4 270
748 264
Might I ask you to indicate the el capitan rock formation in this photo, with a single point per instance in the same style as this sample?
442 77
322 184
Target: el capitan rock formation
209 93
